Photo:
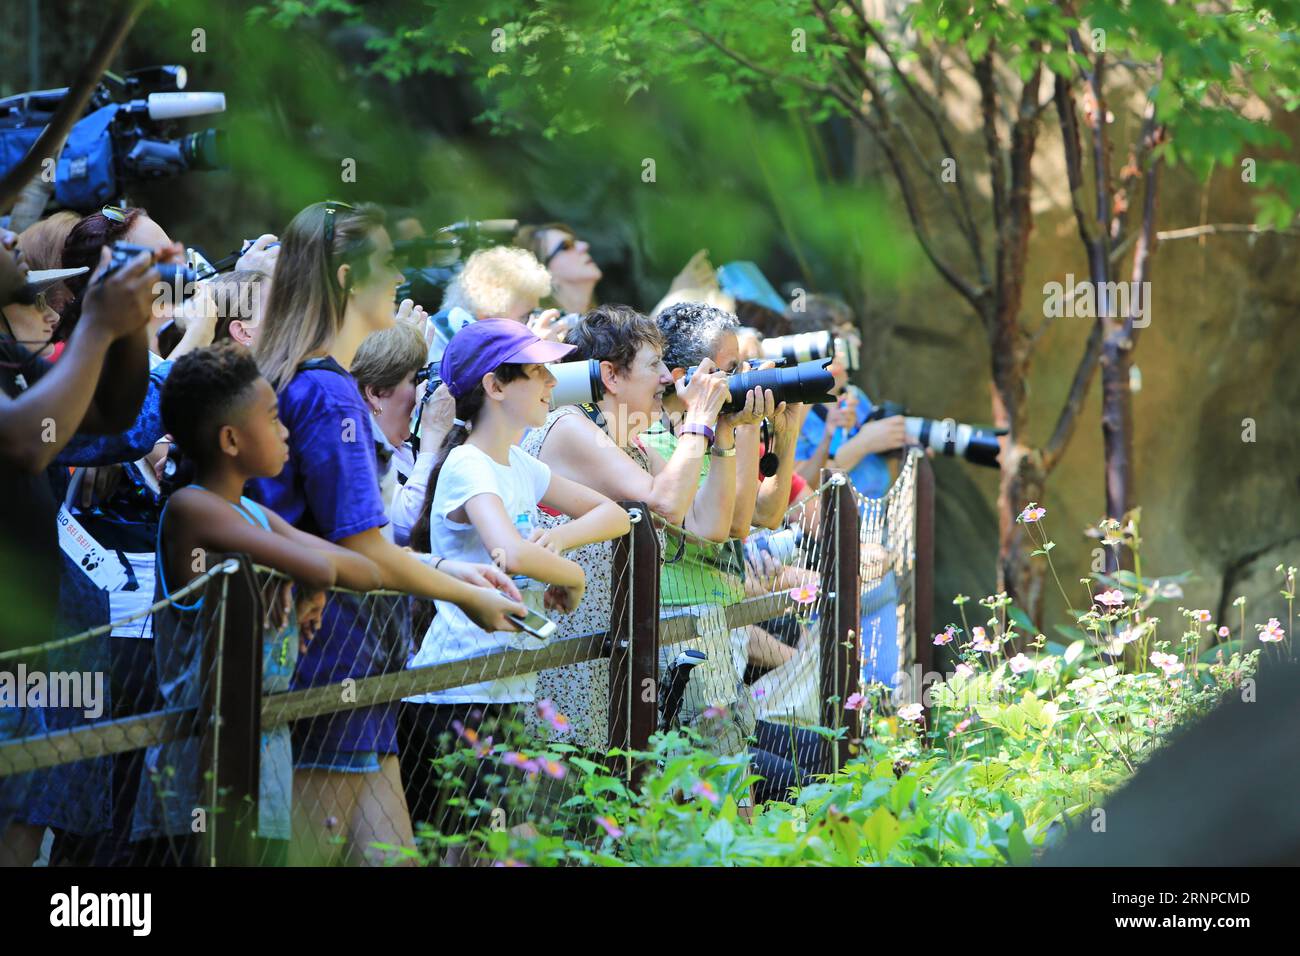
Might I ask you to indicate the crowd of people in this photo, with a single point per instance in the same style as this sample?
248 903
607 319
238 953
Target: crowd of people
288 410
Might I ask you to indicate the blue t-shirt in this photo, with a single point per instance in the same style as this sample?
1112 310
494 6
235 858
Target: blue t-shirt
872 479
871 475
330 488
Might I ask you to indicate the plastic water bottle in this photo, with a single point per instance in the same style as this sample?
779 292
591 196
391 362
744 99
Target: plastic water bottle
531 590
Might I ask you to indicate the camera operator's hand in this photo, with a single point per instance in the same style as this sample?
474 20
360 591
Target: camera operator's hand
121 304
705 395
760 403
886 434
197 317
787 419
413 315
547 325
844 415
257 257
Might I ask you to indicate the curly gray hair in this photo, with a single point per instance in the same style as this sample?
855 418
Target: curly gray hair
691 331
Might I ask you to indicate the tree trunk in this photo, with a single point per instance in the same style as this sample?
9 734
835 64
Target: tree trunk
1117 423
1019 574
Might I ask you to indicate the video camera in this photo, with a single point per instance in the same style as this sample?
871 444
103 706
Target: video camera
126 134
430 263
977 445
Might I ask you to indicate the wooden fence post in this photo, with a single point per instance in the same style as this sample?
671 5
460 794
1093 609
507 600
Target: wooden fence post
923 582
841 616
230 716
633 641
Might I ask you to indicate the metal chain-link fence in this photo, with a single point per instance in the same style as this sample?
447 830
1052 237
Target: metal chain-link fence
229 738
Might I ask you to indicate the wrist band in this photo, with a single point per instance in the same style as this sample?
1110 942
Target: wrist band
438 562
694 428
723 452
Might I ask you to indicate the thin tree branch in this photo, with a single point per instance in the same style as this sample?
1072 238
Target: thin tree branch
1084 373
972 295
1223 228
992 145
967 219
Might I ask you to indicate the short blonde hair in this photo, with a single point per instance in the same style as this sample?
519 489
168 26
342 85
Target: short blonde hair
388 358
494 279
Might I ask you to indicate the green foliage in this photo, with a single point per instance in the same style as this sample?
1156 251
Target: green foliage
563 68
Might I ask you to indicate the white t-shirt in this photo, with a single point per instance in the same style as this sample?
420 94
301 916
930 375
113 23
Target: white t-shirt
452 636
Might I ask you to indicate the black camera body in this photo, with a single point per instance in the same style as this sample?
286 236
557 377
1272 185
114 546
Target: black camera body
175 274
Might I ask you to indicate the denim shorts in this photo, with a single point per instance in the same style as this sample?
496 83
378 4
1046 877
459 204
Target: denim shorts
309 757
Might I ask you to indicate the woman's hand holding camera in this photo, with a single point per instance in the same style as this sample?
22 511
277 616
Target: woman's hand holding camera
705 395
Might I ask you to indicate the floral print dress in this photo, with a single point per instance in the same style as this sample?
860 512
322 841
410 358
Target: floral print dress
579 691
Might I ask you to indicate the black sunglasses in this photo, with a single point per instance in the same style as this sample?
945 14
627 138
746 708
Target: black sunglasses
567 243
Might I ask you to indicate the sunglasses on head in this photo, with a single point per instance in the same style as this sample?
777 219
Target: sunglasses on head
568 242
331 207
115 213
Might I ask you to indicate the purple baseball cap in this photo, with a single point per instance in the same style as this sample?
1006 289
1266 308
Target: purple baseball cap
481 346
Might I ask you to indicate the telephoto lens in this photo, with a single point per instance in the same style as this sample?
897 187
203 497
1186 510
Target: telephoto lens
802 347
806 346
577 383
979 446
807 382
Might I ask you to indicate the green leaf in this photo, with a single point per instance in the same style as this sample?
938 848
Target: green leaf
882 830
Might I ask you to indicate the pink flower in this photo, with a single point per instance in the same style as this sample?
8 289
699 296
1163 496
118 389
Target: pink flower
945 636
714 712
1032 514
965 670
961 727
982 644
468 734
1113 598
609 826
703 789
1272 632
546 710
1202 615
855 702
911 712
1224 632
552 768
1020 663
804 594
514 759
1169 663
1127 636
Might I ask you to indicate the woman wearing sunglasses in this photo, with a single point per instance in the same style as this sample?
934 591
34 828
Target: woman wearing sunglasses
573 272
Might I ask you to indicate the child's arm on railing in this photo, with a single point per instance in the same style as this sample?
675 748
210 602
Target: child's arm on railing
403 571
514 555
595 517
353 571
206 521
